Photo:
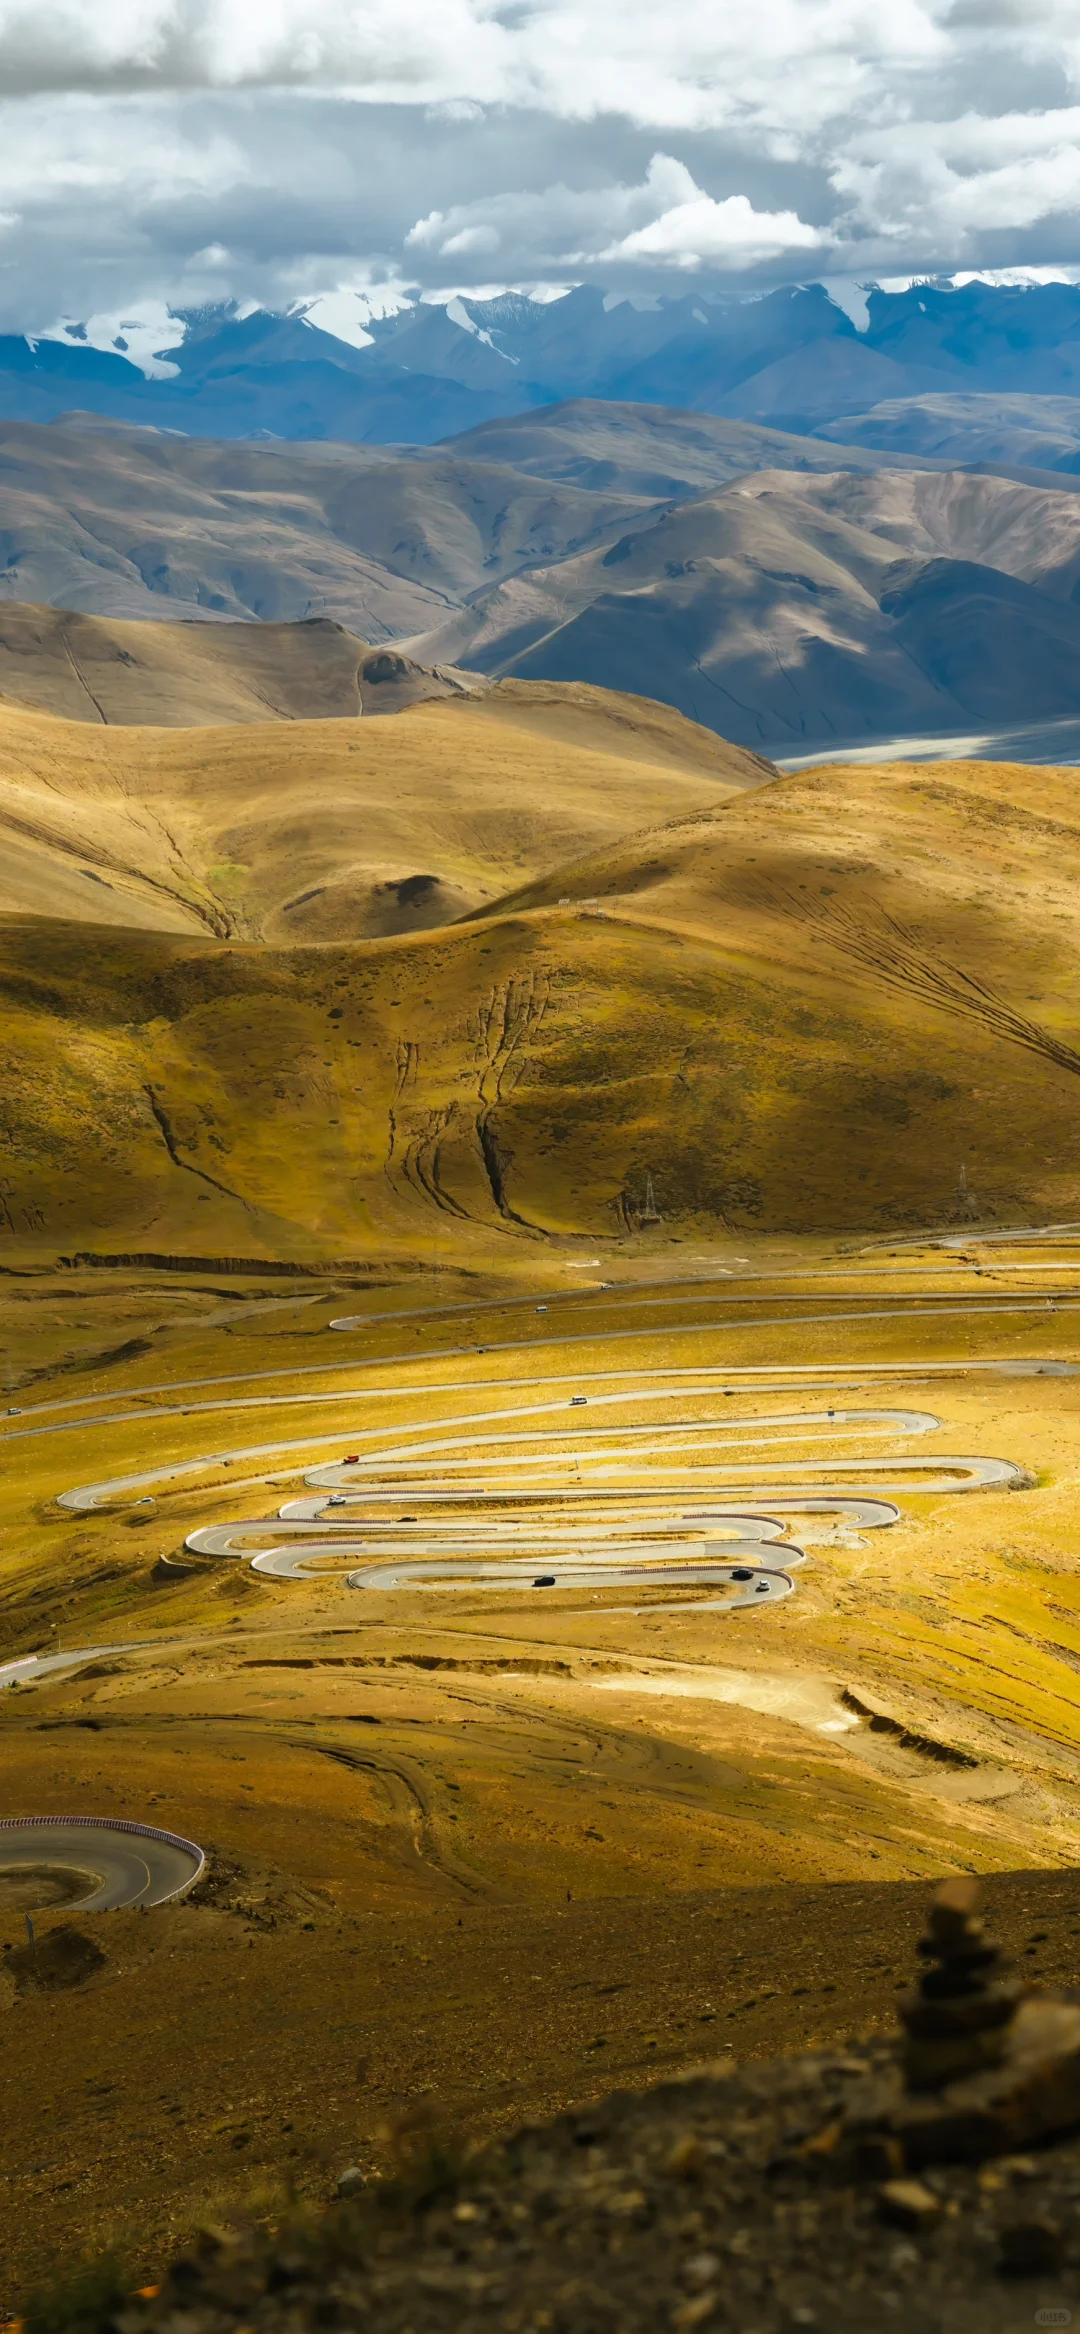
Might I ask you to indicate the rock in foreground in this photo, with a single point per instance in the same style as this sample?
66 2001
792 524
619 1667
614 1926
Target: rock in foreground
700 2203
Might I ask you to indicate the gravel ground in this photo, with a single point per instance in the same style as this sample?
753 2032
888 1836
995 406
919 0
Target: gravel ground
685 2206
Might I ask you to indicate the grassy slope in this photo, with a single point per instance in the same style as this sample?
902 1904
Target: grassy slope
304 830
809 1008
100 669
736 1881
796 1011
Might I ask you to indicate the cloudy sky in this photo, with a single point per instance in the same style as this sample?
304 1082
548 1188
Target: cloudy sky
266 149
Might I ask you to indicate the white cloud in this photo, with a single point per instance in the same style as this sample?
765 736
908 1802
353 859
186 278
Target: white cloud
456 109
785 63
404 49
971 175
666 220
325 142
469 243
700 232
72 148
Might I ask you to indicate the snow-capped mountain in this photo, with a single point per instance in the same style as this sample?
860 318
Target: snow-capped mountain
383 366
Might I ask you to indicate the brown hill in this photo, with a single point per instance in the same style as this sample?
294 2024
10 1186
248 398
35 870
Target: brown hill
786 609
320 830
998 426
131 523
782 599
98 668
134 522
657 450
806 1007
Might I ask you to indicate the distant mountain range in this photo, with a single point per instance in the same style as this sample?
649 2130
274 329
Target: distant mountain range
790 593
790 611
799 360
127 522
822 516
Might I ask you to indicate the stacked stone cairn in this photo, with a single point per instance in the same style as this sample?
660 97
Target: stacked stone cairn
957 2020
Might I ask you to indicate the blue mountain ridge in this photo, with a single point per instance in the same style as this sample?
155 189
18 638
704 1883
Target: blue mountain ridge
794 359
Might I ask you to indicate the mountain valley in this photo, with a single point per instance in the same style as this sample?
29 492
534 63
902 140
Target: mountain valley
788 611
530 1111
539 1168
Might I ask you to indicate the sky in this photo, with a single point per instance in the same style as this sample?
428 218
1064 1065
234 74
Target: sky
184 151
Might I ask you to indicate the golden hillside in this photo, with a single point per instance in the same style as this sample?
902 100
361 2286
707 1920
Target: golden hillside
185 675
807 1007
794 1011
335 829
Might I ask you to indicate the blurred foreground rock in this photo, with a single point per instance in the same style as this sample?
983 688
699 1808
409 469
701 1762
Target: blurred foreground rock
886 2184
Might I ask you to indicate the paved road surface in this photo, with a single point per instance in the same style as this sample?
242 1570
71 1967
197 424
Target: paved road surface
124 1864
679 1381
518 1460
37 1410
31 1666
572 1530
741 1584
774 1374
623 1531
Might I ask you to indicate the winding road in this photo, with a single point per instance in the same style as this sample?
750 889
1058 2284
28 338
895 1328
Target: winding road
739 1376
595 1505
582 1500
541 1483
567 1514
122 1863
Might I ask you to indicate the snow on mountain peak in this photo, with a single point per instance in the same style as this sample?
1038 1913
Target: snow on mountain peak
458 314
346 312
139 334
851 297
1019 279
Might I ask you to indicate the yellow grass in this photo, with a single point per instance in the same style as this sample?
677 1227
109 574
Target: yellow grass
306 830
805 1010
